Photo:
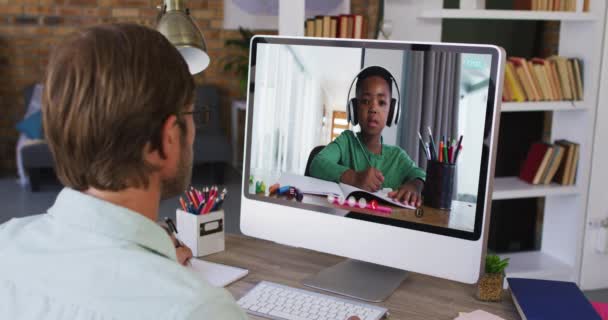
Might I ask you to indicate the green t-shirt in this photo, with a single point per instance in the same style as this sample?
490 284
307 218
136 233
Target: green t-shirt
346 152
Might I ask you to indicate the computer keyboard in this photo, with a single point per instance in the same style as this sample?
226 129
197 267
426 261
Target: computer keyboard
276 301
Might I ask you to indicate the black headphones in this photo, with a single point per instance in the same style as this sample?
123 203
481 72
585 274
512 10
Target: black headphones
351 107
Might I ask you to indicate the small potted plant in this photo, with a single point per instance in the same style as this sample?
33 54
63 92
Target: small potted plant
489 287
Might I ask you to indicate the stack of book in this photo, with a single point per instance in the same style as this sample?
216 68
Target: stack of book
551 162
342 26
552 79
549 5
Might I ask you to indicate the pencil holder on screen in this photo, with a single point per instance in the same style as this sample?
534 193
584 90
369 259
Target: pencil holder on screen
203 234
439 185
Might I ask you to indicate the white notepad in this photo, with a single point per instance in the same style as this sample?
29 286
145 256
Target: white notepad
218 275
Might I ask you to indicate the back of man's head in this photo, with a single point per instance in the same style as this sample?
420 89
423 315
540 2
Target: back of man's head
107 92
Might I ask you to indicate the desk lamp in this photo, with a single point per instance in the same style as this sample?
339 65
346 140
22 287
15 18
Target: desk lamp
178 27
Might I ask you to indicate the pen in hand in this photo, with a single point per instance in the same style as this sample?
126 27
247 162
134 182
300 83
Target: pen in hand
179 244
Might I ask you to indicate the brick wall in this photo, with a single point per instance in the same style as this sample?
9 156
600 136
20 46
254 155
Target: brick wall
30 28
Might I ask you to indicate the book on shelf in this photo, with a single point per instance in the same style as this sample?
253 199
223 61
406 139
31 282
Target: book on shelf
318 26
537 157
342 26
515 92
549 5
309 29
553 79
326 33
333 27
358 26
566 174
547 162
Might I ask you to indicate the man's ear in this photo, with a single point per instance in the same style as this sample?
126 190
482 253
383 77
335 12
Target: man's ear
170 137
169 140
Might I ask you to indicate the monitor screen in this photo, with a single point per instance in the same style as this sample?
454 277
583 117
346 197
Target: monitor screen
393 134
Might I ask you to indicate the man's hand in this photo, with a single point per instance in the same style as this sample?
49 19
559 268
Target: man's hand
184 254
370 179
409 193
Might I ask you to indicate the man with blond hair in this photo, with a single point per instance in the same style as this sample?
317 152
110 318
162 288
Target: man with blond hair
118 117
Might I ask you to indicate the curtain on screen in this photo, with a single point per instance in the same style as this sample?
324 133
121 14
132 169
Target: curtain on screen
288 112
431 96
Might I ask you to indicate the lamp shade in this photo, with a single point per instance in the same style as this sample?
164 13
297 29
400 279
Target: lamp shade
177 26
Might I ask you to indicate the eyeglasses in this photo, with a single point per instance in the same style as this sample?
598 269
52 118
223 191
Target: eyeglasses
200 117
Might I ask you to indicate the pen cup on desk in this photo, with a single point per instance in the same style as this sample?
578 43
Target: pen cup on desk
203 234
439 185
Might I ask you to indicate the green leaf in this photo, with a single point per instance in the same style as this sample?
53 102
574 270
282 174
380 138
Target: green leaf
496 265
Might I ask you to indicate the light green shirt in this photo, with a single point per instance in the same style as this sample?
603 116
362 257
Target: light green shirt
89 259
347 152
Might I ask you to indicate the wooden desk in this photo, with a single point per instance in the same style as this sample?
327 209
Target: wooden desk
418 297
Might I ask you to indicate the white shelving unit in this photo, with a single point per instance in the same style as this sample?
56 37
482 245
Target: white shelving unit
581 35
543 106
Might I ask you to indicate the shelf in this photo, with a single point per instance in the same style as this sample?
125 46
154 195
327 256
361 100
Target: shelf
506 15
537 265
513 188
543 106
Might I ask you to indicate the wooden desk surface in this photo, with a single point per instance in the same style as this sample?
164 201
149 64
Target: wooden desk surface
418 297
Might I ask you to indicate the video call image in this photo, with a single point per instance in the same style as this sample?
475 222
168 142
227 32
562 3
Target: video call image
370 132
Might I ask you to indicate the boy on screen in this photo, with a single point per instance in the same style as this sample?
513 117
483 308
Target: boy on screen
362 159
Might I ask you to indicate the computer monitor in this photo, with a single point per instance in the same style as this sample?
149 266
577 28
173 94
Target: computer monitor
312 116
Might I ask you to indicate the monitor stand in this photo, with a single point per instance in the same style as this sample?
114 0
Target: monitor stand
358 279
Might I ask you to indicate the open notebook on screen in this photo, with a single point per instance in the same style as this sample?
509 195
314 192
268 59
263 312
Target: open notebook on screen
310 185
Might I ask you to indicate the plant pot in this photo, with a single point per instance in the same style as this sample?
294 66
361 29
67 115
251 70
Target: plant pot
489 287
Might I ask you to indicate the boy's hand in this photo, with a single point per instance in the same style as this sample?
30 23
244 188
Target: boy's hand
409 193
370 179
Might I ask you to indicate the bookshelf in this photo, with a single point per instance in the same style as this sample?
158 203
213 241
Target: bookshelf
565 207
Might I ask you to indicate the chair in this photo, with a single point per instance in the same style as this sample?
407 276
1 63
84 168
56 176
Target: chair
211 144
37 157
313 154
